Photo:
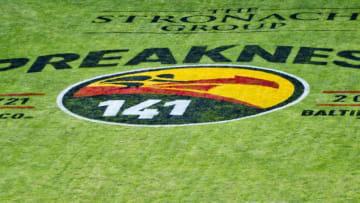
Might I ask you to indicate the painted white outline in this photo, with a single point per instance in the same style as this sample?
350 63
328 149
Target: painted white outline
62 107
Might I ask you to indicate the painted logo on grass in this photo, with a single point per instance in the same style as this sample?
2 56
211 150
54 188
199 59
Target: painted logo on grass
182 95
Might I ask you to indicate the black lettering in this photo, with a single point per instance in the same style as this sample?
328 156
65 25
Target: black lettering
348 55
205 18
305 55
332 113
169 19
4 115
199 27
93 59
343 112
42 61
239 10
252 9
280 56
307 113
295 16
13 63
333 15
247 26
352 112
103 19
197 52
213 10
130 19
340 98
24 100
164 56
277 25
356 98
17 116
249 18
173 28
277 16
320 113
225 27
11 101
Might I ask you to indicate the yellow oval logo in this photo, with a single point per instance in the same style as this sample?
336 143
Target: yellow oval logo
182 95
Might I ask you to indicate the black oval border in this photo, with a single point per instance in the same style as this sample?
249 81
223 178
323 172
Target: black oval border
295 98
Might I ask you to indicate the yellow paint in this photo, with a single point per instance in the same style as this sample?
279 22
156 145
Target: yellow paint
257 95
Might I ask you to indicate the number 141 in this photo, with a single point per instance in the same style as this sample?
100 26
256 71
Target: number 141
142 110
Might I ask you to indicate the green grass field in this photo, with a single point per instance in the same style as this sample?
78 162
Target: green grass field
47 155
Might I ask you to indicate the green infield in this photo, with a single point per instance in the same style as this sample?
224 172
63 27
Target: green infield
179 101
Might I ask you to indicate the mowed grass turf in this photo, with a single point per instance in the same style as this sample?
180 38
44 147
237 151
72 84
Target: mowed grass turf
278 157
